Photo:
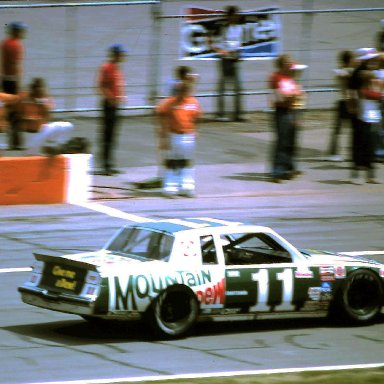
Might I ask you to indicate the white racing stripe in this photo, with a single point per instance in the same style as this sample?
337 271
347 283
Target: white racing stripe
363 253
217 374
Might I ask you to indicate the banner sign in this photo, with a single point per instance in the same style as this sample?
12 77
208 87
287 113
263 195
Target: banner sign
261 33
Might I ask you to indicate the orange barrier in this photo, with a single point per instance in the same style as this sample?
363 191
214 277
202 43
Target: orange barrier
44 180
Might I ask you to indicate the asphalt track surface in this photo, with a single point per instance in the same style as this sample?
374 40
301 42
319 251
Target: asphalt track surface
319 210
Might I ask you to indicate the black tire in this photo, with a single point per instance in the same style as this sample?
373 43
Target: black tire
173 313
360 299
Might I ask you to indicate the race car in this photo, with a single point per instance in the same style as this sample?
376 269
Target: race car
174 273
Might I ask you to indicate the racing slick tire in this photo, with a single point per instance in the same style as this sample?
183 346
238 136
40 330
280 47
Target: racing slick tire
173 313
360 299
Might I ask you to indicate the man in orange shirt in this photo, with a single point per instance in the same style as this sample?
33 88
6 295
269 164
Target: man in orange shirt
12 55
177 136
112 89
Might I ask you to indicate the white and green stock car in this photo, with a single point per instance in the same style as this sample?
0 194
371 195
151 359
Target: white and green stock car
173 273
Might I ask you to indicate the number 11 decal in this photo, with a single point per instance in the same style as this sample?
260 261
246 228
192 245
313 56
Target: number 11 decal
262 279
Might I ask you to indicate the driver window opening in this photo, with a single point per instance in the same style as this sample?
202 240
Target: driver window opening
208 250
253 248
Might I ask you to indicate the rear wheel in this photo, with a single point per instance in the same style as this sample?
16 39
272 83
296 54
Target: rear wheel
174 312
361 298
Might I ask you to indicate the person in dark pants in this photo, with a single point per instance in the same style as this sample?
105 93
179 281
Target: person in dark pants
112 88
286 95
229 55
347 63
12 56
369 94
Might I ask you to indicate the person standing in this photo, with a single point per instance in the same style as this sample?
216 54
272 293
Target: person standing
182 73
6 100
177 136
366 115
380 37
347 63
228 50
111 85
12 57
369 95
286 94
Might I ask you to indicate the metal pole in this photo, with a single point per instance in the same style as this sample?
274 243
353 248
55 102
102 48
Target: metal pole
70 58
154 53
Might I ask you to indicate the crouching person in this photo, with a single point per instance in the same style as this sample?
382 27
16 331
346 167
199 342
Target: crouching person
51 140
177 136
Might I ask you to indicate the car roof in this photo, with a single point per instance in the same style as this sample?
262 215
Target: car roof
179 225
173 226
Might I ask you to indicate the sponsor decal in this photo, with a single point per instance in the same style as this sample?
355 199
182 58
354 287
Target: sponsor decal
233 273
134 292
323 293
340 272
236 293
189 249
314 293
260 33
326 286
327 273
212 295
61 272
65 278
304 274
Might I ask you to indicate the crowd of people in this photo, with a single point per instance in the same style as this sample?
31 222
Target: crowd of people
360 77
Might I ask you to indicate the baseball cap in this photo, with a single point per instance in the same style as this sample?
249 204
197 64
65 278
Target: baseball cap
117 48
17 25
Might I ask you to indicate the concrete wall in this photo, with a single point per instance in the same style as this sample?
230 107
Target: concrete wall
67 44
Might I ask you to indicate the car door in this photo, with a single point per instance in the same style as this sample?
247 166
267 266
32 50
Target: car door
262 277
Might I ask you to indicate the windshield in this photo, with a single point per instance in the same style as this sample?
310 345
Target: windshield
142 243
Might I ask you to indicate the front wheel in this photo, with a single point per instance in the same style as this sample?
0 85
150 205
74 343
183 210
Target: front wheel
174 312
360 299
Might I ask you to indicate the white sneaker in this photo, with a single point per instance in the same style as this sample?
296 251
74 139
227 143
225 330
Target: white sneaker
357 181
335 158
371 180
222 119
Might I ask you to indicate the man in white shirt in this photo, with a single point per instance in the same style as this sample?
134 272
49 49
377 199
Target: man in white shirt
229 54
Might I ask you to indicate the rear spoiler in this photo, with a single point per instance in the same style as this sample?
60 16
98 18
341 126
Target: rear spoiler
63 260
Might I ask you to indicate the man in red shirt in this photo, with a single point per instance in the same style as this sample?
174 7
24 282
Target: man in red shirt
12 55
286 92
112 89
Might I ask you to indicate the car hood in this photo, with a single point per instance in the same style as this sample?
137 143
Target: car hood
325 257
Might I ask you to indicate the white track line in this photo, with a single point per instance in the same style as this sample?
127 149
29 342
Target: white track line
9 270
114 212
216 374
